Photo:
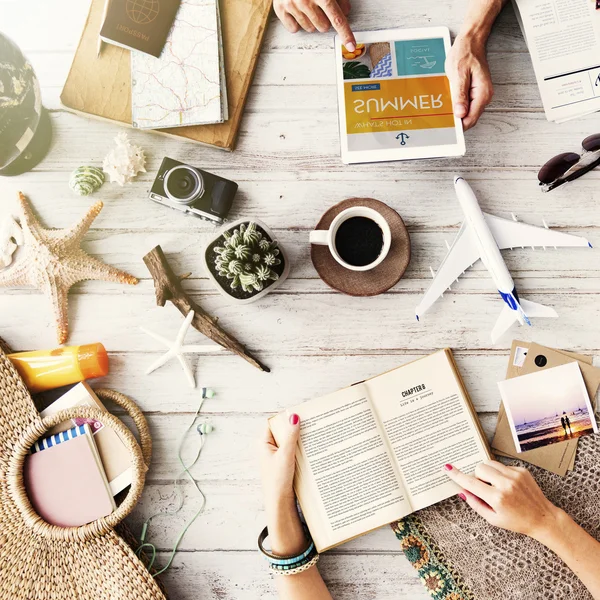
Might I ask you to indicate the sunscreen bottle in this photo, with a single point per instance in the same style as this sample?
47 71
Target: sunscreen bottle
48 369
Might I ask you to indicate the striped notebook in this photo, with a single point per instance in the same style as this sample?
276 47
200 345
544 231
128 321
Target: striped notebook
58 438
65 480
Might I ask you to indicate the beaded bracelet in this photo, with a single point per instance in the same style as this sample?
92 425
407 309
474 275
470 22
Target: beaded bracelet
295 571
289 565
293 563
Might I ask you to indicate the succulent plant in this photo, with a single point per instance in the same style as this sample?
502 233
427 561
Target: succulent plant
246 258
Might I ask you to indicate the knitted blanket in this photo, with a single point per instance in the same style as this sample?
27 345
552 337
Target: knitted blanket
459 556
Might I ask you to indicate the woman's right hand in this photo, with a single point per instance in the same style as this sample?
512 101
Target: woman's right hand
278 464
507 497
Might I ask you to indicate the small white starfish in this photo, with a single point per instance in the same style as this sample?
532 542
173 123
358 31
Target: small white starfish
178 349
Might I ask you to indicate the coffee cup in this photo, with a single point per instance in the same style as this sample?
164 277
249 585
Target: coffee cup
359 238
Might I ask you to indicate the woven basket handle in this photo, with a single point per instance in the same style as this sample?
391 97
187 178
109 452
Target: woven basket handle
103 525
136 414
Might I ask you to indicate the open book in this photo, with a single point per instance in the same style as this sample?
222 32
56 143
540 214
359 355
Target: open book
374 452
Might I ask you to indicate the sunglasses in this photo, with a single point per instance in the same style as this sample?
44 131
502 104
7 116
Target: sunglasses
570 165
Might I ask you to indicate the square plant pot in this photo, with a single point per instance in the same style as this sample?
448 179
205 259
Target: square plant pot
222 283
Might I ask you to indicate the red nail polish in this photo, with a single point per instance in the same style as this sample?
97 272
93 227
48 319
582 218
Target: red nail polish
294 419
448 467
462 496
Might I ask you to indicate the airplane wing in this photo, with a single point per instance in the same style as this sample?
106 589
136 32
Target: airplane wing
462 254
512 234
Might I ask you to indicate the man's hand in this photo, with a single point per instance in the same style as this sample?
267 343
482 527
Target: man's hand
470 78
317 15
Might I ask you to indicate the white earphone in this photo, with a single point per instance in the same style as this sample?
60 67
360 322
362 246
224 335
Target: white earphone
203 429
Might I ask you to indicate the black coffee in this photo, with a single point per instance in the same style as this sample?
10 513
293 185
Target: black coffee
359 241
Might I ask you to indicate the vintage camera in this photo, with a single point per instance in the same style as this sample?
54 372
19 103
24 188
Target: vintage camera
193 191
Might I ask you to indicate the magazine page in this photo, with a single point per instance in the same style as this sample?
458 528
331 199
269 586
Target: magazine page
346 480
394 97
563 37
429 422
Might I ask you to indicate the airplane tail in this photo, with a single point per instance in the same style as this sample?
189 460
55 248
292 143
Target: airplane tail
524 310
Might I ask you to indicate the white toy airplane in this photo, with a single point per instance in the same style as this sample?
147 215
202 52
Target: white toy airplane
482 236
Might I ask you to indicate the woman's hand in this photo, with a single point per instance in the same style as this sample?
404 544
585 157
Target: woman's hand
317 15
507 497
470 78
278 464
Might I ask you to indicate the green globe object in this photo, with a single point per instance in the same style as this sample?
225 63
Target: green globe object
25 129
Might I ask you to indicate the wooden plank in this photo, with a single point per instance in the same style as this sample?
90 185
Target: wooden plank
339 324
285 143
244 576
287 202
165 391
65 32
289 384
124 249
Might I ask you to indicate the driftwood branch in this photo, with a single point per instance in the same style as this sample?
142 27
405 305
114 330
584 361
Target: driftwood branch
168 288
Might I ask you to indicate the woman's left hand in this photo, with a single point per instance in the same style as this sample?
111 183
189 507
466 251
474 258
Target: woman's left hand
506 497
278 464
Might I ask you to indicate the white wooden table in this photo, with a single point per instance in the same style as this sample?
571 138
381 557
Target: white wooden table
288 167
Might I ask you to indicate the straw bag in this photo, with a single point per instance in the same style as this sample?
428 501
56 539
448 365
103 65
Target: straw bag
39 561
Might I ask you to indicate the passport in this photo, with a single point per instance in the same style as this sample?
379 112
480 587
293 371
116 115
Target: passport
141 25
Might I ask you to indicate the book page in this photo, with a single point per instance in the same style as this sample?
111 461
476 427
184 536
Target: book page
563 37
428 422
346 480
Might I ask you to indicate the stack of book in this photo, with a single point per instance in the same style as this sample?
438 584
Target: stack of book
176 89
563 37
72 475
177 66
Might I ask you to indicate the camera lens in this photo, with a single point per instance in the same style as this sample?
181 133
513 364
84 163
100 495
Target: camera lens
183 184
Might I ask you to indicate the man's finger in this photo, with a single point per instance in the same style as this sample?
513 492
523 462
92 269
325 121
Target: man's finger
302 19
339 21
471 484
476 108
318 18
288 21
460 83
481 96
345 6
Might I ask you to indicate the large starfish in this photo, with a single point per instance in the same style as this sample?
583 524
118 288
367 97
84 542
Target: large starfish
52 261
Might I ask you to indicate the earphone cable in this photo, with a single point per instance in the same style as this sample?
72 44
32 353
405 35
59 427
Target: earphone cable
180 493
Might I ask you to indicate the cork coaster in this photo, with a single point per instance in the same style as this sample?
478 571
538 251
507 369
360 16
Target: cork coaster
364 283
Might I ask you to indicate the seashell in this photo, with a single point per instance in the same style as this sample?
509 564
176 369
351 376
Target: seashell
86 180
124 161
11 236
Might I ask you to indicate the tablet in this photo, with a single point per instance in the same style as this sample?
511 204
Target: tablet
394 98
